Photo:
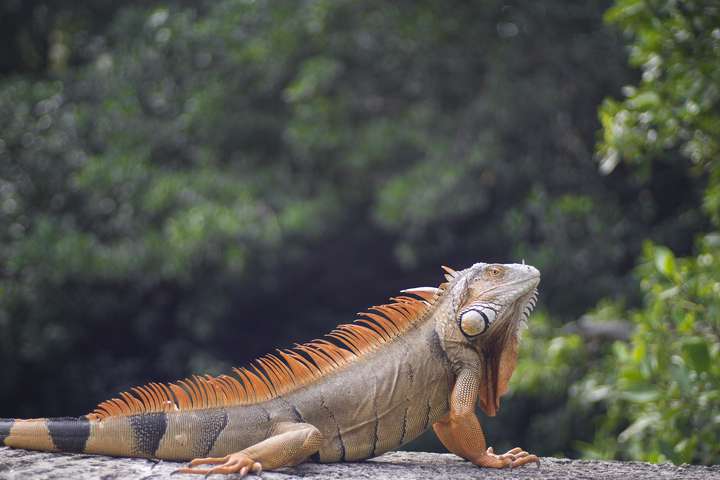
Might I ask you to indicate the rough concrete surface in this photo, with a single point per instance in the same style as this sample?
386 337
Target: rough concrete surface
21 464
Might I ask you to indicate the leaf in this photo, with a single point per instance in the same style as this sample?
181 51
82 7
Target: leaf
645 100
639 426
665 261
640 394
696 352
680 373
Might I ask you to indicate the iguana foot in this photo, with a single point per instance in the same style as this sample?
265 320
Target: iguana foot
513 458
521 457
234 463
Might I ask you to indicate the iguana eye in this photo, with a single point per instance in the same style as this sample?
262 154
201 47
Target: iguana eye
494 271
475 321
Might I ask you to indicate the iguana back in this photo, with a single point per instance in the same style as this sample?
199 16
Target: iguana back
369 387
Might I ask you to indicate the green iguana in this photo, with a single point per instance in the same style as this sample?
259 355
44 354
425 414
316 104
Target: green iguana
426 359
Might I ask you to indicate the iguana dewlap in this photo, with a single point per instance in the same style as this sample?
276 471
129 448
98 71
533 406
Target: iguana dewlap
426 359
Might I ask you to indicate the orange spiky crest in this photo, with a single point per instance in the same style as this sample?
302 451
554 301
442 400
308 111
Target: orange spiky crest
273 375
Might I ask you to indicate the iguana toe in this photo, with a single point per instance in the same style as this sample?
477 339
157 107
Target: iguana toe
512 458
234 463
520 457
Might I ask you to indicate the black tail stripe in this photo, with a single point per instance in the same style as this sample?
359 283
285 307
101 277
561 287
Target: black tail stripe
148 430
69 434
5 425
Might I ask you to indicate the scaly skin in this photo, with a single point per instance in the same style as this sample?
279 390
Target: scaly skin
457 349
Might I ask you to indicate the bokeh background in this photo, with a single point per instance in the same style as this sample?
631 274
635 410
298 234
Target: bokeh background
185 185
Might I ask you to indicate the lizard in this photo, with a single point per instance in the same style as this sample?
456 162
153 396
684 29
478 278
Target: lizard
426 359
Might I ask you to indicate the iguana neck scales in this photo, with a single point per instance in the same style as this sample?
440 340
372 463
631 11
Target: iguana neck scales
426 359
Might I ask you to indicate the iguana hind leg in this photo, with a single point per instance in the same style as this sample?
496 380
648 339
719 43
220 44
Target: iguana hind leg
290 444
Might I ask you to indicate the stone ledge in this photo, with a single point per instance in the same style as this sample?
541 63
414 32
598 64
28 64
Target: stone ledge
21 464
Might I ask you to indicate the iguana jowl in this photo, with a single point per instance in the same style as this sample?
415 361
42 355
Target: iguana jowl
426 359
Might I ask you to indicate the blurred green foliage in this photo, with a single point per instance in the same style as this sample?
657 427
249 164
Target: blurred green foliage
657 397
664 387
676 45
186 185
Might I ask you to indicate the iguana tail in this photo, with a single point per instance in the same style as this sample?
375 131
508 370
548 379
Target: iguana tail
71 434
46 434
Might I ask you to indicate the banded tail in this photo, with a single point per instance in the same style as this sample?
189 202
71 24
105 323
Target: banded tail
115 436
66 434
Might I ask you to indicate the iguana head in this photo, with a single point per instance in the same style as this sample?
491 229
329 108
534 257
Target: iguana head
487 305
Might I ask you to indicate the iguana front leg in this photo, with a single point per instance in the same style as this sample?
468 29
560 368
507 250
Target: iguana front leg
289 445
461 433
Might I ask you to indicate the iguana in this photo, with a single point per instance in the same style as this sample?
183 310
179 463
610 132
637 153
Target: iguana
425 359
